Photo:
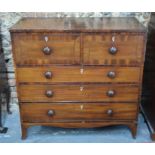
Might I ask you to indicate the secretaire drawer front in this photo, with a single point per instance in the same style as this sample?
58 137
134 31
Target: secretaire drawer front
113 49
76 74
78 93
48 112
46 48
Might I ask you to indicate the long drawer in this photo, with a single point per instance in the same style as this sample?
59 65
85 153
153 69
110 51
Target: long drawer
48 112
76 74
78 93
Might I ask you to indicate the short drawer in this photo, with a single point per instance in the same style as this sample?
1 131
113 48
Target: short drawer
46 48
113 49
47 112
78 93
76 74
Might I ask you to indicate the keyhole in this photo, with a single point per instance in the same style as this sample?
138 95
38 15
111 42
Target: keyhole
81 107
81 88
46 38
81 71
113 38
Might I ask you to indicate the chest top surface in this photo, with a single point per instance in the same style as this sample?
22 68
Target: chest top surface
70 24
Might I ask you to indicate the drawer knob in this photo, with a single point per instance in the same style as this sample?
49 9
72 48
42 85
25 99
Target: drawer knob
113 50
109 112
111 74
48 75
47 50
50 112
49 93
111 93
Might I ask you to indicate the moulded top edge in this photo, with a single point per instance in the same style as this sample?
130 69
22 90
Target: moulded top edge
85 24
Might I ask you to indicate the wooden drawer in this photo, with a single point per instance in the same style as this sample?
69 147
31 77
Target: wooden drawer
46 112
46 48
96 49
78 93
75 74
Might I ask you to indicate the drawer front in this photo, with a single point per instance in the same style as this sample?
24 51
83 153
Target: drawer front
40 48
108 49
46 112
78 93
75 74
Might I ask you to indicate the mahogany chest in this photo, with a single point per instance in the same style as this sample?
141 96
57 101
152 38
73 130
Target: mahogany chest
78 72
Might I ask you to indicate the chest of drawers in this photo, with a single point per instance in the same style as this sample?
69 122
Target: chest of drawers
78 72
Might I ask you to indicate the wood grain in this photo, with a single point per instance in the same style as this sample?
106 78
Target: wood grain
87 24
73 74
65 49
78 93
37 112
77 63
129 49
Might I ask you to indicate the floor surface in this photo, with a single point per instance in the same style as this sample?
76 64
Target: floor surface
114 134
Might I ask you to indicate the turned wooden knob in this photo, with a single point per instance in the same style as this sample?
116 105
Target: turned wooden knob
111 93
48 75
111 74
113 50
47 50
109 112
50 112
49 93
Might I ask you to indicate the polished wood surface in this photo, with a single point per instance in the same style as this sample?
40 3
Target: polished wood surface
129 49
65 49
78 93
78 72
86 24
77 112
